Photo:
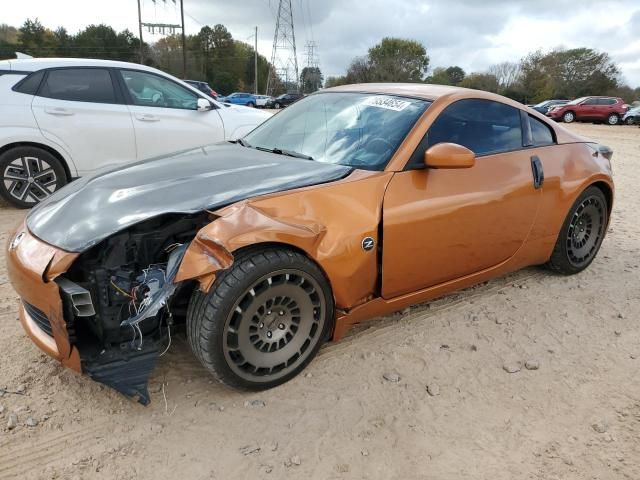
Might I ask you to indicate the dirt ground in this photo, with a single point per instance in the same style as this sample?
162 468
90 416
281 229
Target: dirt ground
454 413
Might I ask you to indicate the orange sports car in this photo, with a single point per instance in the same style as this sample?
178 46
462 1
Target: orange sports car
354 202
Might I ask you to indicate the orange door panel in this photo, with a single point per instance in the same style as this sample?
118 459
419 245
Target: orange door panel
443 224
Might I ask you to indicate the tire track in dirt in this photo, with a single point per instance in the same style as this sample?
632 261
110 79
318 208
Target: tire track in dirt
16 461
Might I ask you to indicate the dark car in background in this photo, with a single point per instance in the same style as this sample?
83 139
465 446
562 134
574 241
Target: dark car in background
283 100
543 107
602 109
203 87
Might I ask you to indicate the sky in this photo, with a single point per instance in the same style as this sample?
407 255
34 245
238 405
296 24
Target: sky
470 33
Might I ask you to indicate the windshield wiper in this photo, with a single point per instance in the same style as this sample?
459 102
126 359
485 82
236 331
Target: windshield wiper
242 141
288 153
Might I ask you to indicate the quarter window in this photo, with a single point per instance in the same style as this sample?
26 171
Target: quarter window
30 84
79 85
540 132
483 126
149 90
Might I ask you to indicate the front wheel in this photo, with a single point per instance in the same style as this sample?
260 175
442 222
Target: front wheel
613 119
251 105
629 121
582 233
263 320
29 175
277 106
568 117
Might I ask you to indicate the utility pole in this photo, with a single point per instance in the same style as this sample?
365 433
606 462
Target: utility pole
184 43
284 40
162 29
140 30
255 61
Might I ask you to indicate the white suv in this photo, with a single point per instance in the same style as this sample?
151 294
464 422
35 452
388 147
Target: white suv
64 118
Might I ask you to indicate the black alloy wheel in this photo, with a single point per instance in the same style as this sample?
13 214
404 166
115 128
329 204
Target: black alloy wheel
263 319
582 233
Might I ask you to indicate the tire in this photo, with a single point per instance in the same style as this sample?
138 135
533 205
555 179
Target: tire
582 233
568 117
277 106
629 121
251 105
263 320
613 119
29 175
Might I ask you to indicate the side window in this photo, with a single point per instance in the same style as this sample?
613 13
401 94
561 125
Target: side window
79 85
541 133
30 84
591 101
609 101
483 126
149 90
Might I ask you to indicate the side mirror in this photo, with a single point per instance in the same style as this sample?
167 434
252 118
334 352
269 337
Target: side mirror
449 155
204 105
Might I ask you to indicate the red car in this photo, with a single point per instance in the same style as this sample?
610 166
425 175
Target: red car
607 109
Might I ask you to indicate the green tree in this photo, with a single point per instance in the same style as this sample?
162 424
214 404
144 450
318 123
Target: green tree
398 60
335 81
311 79
446 76
360 71
455 74
568 74
439 77
481 81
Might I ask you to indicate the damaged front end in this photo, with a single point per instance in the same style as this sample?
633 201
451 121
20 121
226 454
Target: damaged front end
120 301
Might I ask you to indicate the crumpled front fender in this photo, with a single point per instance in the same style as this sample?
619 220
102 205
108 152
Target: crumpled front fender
327 222
243 224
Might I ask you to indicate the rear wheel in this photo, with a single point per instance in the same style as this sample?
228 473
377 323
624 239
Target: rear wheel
613 119
263 320
568 117
582 233
29 175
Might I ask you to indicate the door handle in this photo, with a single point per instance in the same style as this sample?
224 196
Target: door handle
58 111
538 172
147 117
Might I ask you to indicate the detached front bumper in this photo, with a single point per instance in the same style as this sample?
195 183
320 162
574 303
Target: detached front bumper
32 266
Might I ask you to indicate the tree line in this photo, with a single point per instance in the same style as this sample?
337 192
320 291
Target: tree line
212 55
227 64
560 73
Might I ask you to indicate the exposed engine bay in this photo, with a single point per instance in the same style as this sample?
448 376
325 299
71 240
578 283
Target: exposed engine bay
125 321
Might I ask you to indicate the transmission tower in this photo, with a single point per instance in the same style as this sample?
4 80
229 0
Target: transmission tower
284 61
312 55
311 81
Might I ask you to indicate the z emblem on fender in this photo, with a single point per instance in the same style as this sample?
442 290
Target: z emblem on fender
367 243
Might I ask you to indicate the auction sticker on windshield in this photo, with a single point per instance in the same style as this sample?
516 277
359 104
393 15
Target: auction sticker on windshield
389 103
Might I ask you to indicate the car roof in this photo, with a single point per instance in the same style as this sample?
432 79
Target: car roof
419 90
424 91
35 64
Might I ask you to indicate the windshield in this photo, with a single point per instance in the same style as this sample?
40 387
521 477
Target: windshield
542 104
354 129
577 101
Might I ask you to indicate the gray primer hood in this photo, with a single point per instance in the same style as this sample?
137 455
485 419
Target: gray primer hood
93 208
